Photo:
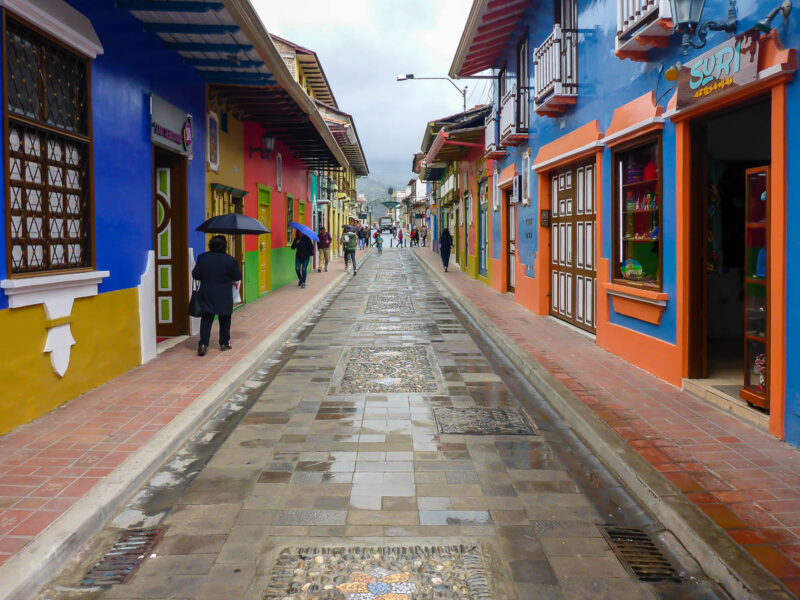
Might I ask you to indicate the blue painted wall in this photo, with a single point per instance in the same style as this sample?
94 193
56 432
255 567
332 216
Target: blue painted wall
606 82
133 65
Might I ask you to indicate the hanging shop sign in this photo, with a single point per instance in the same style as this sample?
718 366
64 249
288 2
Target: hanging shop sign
171 127
720 70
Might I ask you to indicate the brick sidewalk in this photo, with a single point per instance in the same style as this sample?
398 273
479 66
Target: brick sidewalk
745 480
48 465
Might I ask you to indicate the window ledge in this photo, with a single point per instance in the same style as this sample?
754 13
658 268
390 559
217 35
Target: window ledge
645 305
36 290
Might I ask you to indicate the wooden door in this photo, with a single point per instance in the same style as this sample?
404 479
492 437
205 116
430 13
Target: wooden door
512 244
169 238
483 238
264 241
573 268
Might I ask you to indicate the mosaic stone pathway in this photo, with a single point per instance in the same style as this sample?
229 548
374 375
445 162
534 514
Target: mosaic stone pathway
357 475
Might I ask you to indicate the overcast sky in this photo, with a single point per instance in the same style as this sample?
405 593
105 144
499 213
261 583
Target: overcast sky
363 45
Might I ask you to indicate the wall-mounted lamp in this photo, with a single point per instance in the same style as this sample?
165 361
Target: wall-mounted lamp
765 25
687 14
267 146
672 73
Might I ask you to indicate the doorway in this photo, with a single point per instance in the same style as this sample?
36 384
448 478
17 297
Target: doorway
483 231
457 235
265 240
511 236
467 219
730 203
573 269
170 240
226 202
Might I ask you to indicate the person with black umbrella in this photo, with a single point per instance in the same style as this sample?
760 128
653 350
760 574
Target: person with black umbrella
217 271
304 250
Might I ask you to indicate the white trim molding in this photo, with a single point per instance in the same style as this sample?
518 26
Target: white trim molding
57 293
61 21
147 309
561 157
633 128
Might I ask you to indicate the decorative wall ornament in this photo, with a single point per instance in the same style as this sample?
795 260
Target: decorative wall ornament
526 177
212 141
57 293
496 191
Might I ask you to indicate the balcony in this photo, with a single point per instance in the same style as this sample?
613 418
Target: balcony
493 149
556 80
641 25
513 129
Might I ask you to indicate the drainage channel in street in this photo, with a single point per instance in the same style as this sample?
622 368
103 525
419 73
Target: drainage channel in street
646 549
123 545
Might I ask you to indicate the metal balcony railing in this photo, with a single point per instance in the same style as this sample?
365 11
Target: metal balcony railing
555 64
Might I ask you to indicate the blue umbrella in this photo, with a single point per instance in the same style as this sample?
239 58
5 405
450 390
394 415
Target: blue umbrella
306 230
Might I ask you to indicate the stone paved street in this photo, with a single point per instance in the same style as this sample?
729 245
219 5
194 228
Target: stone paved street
386 453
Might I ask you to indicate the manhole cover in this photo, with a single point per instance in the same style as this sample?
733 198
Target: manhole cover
375 371
639 554
370 573
485 421
123 558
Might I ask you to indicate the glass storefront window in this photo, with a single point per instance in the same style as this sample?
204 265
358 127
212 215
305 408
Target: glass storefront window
637 244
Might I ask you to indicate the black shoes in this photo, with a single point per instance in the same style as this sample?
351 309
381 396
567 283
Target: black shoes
303 285
225 347
202 349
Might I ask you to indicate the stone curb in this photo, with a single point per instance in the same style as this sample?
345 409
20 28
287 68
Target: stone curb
26 572
719 556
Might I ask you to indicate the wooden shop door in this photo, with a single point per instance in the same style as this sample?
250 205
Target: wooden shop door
264 241
573 270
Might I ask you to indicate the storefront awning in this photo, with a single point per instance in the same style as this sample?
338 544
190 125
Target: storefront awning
487 33
454 145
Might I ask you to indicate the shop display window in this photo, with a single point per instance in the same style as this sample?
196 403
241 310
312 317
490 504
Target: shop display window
756 287
637 182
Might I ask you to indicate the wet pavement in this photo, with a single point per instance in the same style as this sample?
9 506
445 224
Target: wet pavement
387 452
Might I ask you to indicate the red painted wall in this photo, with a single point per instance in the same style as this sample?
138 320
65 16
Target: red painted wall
263 171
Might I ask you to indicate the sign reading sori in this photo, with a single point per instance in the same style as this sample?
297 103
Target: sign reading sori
170 127
718 71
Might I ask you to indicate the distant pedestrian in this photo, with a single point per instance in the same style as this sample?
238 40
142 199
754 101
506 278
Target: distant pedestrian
424 233
360 235
324 246
399 238
414 237
351 243
445 244
304 250
217 271
343 241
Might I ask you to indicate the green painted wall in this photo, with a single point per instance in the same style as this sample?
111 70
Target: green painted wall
282 267
250 276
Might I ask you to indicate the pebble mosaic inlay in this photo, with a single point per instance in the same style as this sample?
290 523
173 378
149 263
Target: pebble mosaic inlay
380 573
485 421
389 303
377 327
389 370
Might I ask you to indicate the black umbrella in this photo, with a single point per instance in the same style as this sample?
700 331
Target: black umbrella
350 228
233 223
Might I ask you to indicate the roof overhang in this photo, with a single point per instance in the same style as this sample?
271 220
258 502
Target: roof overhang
454 145
230 48
344 130
487 33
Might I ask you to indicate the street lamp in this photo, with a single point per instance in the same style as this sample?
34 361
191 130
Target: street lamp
463 92
687 14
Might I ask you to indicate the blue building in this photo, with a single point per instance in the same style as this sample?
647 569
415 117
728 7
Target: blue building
640 185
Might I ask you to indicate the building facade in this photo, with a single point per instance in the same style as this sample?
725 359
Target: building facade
653 214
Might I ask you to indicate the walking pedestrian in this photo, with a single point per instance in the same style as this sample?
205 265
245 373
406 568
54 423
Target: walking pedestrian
217 271
424 233
350 251
445 244
343 240
304 250
324 246
399 238
379 242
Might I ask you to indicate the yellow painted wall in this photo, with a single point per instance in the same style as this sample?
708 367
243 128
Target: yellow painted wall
231 157
106 331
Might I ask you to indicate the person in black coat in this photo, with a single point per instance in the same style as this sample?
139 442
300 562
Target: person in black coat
216 270
304 251
445 244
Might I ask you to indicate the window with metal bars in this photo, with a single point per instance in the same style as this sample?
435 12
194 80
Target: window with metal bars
48 145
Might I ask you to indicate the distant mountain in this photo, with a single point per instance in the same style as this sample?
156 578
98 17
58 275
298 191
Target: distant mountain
374 189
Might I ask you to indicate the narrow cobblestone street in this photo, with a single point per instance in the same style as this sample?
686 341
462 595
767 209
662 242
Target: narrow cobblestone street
385 453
